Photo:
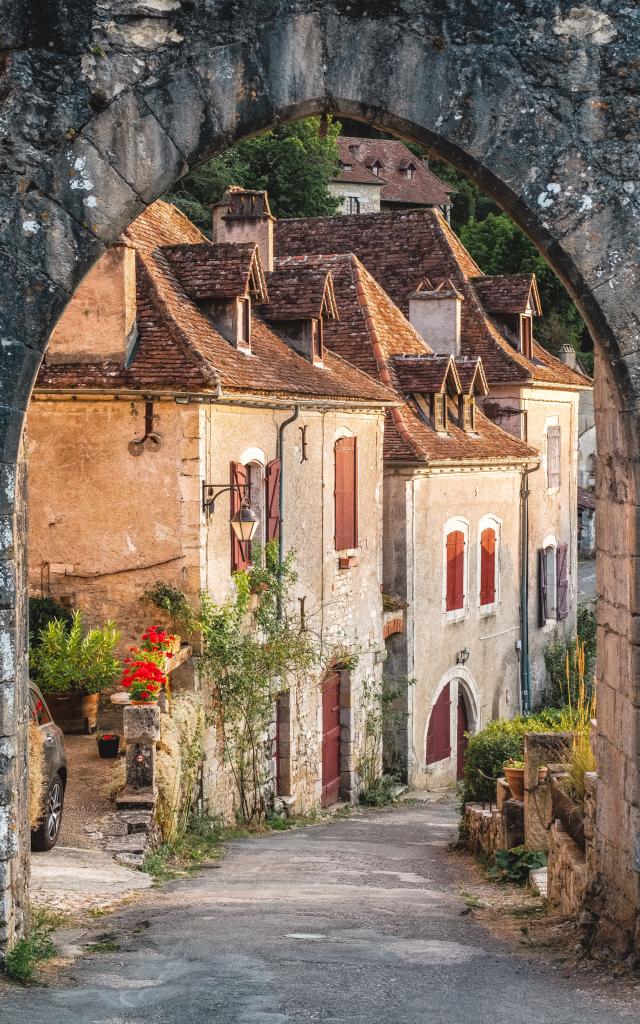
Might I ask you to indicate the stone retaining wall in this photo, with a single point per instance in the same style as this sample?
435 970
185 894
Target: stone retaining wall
566 873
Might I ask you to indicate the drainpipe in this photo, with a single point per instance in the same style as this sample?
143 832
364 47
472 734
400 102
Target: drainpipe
281 429
525 671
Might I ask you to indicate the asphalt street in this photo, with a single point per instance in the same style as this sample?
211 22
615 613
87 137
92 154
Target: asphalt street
357 920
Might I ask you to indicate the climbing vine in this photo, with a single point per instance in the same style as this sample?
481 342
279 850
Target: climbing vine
253 648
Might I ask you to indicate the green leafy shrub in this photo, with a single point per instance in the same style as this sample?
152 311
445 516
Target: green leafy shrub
35 948
41 612
514 865
67 659
500 741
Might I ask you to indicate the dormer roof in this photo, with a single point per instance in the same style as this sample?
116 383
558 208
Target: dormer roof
424 188
218 271
300 292
440 288
508 293
473 380
428 374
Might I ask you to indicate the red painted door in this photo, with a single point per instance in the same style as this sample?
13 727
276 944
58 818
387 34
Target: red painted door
330 740
463 727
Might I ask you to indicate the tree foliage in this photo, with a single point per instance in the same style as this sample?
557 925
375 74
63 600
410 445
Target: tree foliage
294 163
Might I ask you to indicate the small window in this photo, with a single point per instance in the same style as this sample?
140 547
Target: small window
347 167
467 412
553 457
526 336
553 582
376 168
455 571
353 204
439 731
488 568
317 339
440 412
244 333
410 172
346 493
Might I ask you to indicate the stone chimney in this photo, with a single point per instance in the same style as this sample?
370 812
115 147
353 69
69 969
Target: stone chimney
436 313
99 324
244 216
568 356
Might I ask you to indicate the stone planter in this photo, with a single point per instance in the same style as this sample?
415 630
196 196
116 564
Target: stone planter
568 813
515 781
75 711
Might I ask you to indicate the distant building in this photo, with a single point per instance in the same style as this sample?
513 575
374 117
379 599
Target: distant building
383 174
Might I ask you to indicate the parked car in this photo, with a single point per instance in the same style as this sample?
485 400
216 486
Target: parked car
45 836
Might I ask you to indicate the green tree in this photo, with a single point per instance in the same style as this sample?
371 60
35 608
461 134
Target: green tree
500 247
294 162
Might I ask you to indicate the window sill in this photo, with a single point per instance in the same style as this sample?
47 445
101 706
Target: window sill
456 616
348 561
485 610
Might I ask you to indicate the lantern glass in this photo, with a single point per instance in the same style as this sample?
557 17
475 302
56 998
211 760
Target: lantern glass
244 524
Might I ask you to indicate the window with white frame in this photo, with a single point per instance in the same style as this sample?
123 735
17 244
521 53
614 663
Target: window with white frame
456 568
488 564
553 456
553 581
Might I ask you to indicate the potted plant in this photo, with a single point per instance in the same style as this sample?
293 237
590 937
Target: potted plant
514 774
72 667
108 744
143 678
155 638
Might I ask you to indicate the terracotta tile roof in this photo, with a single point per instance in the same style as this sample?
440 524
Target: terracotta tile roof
427 374
424 189
586 499
372 333
508 293
351 170
299 292
220 271
400 249
180 349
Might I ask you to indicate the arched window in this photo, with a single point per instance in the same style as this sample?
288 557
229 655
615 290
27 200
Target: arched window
488 563
455 568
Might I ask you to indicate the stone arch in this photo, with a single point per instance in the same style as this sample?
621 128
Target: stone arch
104 113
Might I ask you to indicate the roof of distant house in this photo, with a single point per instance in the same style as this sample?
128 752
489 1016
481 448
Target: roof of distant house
179 347
373 334
586 499
402 248
393 159
217 271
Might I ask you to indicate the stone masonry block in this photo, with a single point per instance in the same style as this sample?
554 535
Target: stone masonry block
141 722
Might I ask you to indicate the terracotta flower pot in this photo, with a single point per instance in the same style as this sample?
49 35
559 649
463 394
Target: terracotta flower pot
143 703
515 782
75 711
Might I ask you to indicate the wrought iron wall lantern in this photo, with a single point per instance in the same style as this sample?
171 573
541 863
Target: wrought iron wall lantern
244 522
463 656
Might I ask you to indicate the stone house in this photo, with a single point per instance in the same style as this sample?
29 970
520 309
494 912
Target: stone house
531 401
383 174
181 367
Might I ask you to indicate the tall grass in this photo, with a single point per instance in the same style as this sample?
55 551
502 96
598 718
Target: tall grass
581 709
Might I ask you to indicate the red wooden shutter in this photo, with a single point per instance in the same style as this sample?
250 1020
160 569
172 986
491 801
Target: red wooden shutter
562 576
455 570
273 499
346 493
439 731
239 558
487 566
542 587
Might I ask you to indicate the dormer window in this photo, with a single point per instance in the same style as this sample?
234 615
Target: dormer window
347 167
376 168
526 336
410 172
317 340
440 412
244 323
467 412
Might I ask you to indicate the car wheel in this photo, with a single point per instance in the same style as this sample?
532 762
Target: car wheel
46 835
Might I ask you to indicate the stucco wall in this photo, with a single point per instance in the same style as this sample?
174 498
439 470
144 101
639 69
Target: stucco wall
342 606
552 513
415 570
105 525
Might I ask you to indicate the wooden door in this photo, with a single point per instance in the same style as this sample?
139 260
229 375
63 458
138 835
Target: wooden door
330 740
463 727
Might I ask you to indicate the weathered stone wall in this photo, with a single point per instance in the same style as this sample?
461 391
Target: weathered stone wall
104 106
367 195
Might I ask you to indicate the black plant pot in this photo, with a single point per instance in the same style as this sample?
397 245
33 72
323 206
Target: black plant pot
109 748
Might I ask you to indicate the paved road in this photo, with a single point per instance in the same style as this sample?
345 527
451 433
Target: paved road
354 922
586 580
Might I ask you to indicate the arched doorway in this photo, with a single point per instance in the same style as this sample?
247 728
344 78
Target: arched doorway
82 163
